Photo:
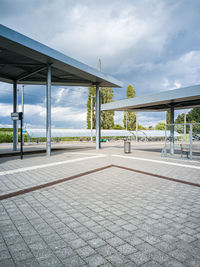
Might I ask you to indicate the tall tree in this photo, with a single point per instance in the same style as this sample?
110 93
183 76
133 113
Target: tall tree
160 126
107 117
91 94
194 115
168 117
129 115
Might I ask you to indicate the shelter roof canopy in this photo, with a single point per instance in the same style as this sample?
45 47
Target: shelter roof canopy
24 60
186 97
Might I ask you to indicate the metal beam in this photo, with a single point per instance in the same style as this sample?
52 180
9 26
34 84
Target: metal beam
98 111
48 112
15 122
172 130
26 75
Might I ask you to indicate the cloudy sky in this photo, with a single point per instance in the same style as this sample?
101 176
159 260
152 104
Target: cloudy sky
152 44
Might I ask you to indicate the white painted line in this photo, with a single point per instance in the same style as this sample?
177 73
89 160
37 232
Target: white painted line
82 153
159 161
48 165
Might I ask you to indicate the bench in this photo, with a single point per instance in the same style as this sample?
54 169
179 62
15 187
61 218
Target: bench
185 148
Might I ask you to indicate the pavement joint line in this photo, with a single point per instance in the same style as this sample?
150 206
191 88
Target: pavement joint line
41 186
38 187
157 175
48 165
159 161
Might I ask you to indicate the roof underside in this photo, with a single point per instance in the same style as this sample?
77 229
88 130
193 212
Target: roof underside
25 60
187 97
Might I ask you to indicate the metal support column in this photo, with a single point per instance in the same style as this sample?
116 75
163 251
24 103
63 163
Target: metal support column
48 112
15 122
184 125
23 112
136 126
190 141
98 112
172 130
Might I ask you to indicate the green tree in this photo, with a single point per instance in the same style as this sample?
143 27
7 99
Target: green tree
107 117
168 117
194 115
180 118
131 116
91 93
118 127
140 127
160 126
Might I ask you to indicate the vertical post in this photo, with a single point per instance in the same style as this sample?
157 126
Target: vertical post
15 122
172 130
136 126
99 69
98 111
184 125
21 134
165 147
91 117
190 140
126 120
48 112
23 112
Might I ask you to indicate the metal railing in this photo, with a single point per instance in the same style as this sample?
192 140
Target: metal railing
186 144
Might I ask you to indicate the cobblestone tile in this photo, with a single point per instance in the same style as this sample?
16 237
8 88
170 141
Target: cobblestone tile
74 261
64 253
78 243
117 259
51 261
85 251
139 258
106 250
115 241
7 263
97 242
4 255
95 260
126 249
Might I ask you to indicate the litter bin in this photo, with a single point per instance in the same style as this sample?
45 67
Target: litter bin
127 146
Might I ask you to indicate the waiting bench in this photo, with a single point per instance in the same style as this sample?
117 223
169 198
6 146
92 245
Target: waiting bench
185 148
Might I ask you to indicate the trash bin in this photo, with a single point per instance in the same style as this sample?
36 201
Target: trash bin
127 146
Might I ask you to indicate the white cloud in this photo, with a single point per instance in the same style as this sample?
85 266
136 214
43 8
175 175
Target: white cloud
118 118
146 43
5 110
59 95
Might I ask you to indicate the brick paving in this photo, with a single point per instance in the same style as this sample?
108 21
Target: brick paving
113 217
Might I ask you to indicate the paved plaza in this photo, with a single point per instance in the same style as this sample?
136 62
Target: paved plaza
107 214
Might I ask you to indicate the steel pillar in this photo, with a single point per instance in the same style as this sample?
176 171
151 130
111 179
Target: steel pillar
15 122
172 130
98 123
48 112
190 140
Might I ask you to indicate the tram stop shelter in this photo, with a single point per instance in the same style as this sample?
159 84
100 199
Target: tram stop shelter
26 61
187 97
